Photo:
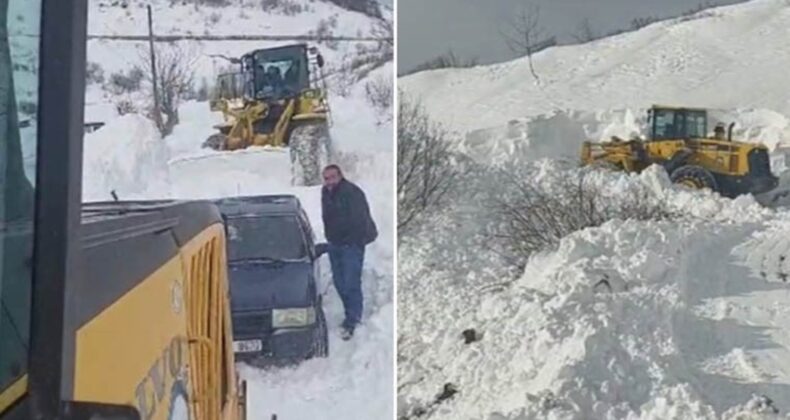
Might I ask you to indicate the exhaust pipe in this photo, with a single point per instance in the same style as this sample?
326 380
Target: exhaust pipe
729 131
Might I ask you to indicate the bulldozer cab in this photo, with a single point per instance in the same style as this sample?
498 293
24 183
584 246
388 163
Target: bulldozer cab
277 73
667 123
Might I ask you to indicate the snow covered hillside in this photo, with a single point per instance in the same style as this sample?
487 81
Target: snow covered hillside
729 57
207 58
129 156
681 317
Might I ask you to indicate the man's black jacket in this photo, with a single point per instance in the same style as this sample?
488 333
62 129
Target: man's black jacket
346 215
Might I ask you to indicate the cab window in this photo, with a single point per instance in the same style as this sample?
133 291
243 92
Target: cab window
19 58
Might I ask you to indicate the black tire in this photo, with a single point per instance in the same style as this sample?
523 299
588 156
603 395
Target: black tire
694 176
321 343
310 151
217 141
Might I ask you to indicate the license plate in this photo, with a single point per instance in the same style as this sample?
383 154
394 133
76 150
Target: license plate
247 346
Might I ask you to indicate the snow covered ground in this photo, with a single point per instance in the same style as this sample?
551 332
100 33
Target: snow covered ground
695 325
128 156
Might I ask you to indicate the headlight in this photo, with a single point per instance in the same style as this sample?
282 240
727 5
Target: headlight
293 317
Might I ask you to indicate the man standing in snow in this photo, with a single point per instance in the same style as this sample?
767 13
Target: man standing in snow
348 227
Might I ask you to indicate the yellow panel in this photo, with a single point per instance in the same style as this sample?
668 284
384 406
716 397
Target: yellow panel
132 352
9 395
136 350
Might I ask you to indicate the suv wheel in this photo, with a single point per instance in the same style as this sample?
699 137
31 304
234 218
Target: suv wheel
321 340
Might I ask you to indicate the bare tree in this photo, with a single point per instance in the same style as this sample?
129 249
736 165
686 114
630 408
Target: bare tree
531 216
524 34
425 164
175 74
584 32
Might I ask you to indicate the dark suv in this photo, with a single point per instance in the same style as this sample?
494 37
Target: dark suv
275 301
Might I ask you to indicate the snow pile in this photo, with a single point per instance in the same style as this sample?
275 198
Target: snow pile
560 135
127 156
631 319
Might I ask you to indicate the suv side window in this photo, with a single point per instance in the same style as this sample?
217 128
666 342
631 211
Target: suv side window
19 59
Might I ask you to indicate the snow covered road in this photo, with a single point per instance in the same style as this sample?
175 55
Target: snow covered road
356 381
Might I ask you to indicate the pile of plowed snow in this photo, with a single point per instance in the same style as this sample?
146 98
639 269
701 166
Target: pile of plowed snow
690 321
560 134
127 156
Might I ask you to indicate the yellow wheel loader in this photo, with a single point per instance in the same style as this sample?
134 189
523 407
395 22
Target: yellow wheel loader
277 99
678 140
116 310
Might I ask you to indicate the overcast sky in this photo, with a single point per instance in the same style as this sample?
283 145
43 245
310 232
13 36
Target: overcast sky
471 28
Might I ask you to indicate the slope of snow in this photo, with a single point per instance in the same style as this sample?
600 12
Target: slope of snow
693 322
247 18
729 57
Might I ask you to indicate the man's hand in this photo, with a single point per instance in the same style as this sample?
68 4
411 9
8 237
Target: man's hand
321 249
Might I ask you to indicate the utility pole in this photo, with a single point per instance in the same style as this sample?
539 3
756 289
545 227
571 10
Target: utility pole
154 78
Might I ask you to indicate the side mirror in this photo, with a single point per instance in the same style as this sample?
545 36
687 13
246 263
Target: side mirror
320 60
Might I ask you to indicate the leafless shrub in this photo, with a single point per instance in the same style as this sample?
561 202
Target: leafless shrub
94 73
584 32
125 106
425 164
126 82
175 78
641 22
379 93
285 7
530 216
446 60
325 30
209 3
368 7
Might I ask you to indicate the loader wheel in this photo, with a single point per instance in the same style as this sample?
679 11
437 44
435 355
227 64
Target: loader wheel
694 176
217 141
310 151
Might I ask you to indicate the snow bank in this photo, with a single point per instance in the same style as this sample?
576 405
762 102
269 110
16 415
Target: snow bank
127 156
560 135
636 320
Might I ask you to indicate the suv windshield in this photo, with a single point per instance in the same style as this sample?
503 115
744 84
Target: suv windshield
265 237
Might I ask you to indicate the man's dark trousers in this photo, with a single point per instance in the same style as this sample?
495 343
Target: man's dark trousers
346 263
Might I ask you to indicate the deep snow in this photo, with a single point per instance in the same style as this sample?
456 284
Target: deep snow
696 325
128 156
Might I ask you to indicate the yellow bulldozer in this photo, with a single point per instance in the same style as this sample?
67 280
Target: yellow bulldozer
678 140
115 310
277 99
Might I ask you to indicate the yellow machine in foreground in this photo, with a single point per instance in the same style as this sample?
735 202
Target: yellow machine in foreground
275 100
679 142
116 310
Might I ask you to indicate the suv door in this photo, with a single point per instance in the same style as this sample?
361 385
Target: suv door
310 240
